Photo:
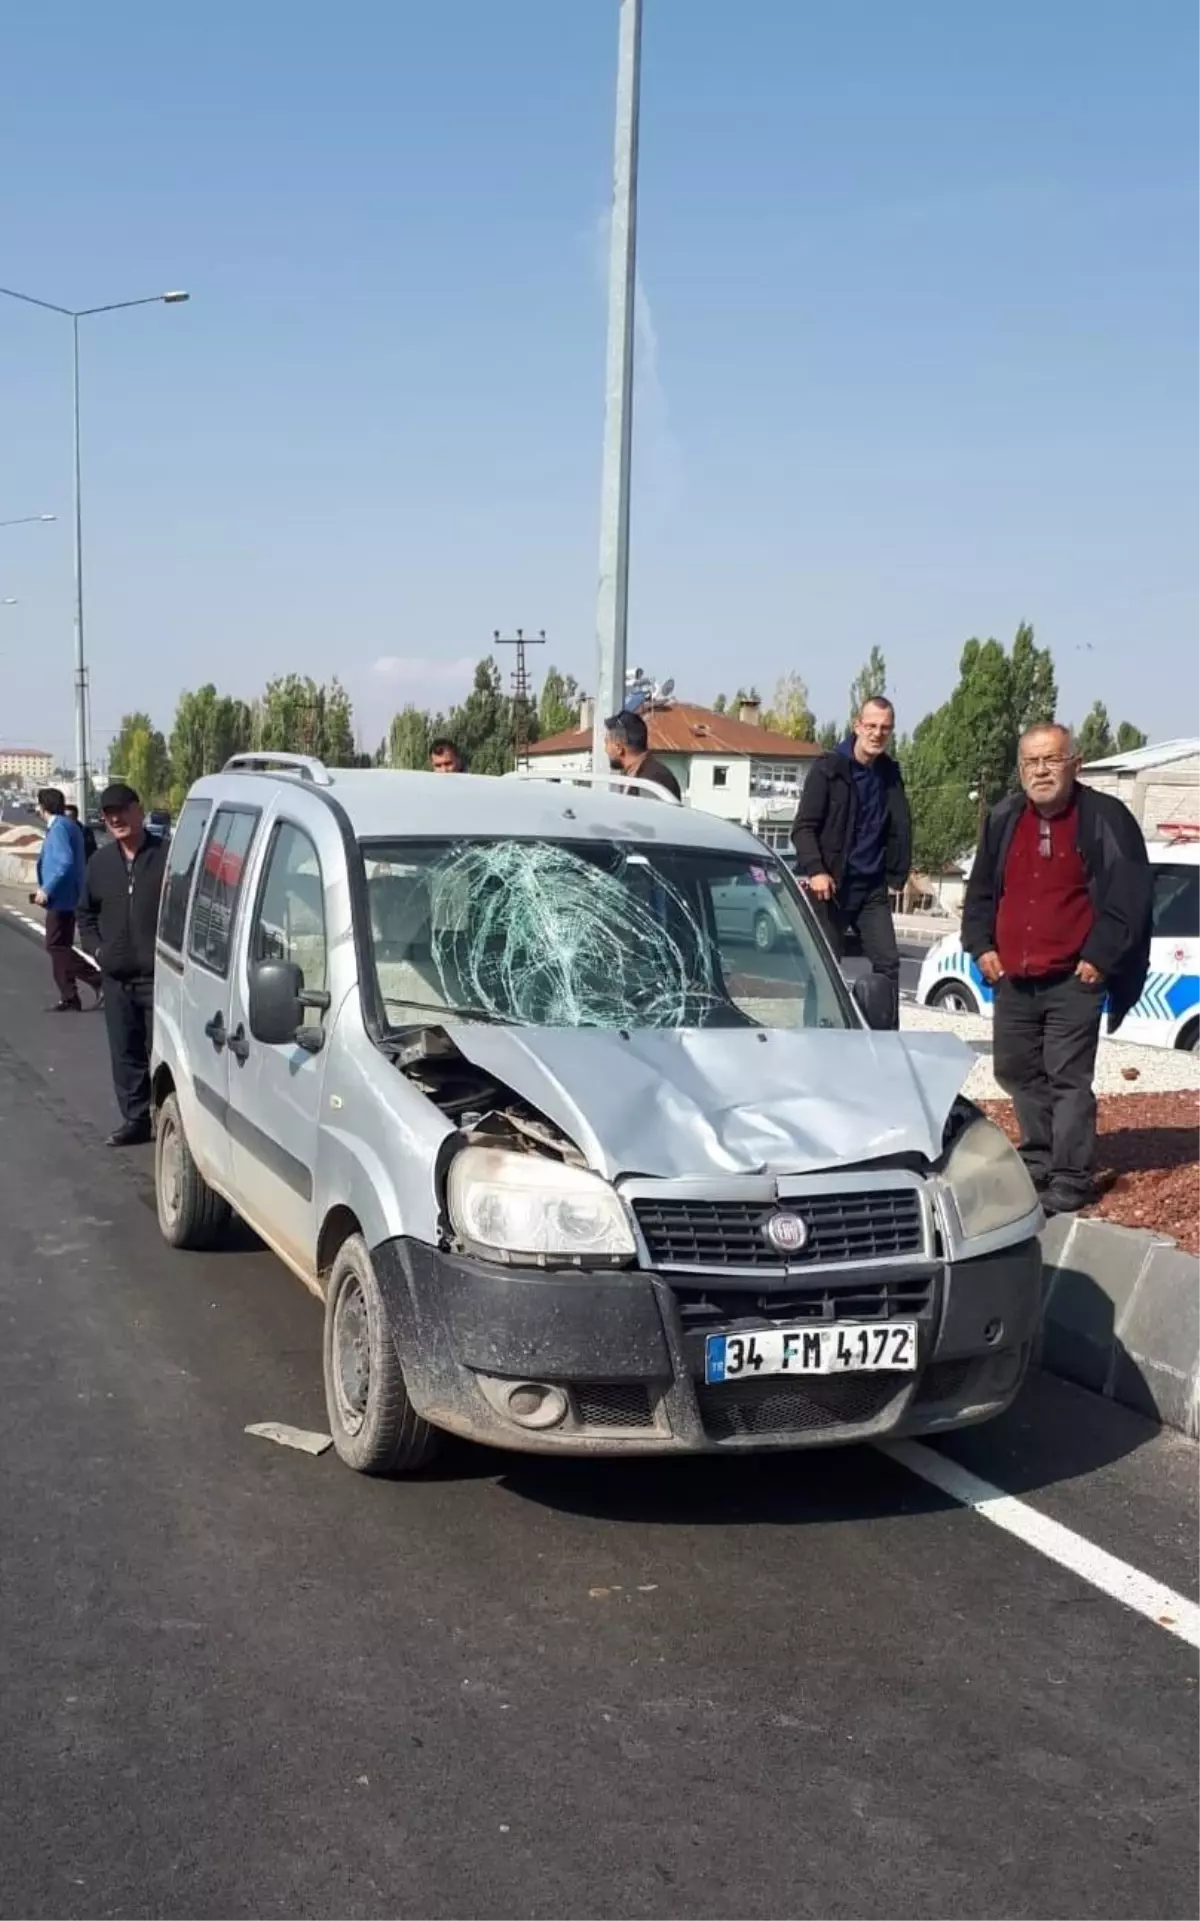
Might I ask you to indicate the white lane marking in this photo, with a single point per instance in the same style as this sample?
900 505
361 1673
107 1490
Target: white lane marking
39 927
1104 1571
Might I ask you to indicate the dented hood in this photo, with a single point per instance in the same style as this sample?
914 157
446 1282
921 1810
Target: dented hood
695 1103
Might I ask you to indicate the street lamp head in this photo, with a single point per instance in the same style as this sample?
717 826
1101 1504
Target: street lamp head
173 299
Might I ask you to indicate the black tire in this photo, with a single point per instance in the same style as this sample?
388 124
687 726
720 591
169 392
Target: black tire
375 1429
764 933
189 1213
1189 1040
955 997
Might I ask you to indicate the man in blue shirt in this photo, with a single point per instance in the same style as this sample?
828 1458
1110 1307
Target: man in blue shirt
853 841
60 872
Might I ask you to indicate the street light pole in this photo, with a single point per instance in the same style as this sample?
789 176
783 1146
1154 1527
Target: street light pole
612 600
75 315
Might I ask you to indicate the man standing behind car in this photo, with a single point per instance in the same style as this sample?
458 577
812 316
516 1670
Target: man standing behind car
1057 914
118 922
853 841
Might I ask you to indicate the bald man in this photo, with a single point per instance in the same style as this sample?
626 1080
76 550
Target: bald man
1057 914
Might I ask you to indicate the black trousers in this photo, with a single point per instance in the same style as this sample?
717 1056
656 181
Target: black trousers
69 968
128 1016
1045 1034
859 917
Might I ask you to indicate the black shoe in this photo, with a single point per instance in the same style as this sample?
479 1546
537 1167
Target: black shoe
130 1134
66 1007
1058 1198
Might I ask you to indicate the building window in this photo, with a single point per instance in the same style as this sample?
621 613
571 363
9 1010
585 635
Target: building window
777 776
720 776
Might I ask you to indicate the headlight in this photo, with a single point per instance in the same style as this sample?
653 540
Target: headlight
523 1207
988 1181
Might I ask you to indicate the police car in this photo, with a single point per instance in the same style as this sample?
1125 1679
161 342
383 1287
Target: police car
1168 1014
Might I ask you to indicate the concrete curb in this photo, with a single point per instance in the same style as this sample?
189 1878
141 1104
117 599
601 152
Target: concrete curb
1121 1315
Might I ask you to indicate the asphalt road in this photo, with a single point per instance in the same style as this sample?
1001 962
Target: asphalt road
236 1680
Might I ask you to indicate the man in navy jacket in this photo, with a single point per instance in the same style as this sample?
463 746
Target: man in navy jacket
60 875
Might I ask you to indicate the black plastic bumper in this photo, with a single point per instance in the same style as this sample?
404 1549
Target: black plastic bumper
631 1370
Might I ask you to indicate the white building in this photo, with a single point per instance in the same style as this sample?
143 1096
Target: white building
1160 785
725 764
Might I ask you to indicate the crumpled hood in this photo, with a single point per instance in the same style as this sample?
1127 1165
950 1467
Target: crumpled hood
696 1103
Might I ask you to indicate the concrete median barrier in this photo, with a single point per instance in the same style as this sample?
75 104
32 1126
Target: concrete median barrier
19 849
1122 1317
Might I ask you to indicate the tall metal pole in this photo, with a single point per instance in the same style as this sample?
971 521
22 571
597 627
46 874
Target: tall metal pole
612 601
82 795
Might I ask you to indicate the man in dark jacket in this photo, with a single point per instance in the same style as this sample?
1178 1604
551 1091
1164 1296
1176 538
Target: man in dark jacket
627 744
1057 914
118 923
853 841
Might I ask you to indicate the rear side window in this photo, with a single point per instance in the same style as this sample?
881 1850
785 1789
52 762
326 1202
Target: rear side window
180 869
1177 902
219 886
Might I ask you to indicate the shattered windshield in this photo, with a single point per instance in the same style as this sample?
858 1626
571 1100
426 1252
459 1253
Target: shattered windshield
594 934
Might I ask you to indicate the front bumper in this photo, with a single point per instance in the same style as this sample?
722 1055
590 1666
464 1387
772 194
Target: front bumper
626 1351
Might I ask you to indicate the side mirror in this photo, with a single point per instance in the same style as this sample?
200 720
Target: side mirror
276 1009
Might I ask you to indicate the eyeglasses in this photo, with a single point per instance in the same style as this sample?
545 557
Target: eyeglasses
1031 762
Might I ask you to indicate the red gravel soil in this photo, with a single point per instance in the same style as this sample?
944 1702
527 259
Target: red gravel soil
1147 1163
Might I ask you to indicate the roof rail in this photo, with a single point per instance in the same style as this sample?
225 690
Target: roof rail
306 766
586 778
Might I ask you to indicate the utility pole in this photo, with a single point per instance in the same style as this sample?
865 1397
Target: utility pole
520 686
612 600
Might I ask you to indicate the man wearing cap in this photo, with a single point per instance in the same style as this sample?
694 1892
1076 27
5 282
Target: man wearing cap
118 923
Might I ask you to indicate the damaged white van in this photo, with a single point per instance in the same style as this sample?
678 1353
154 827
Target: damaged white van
575 1161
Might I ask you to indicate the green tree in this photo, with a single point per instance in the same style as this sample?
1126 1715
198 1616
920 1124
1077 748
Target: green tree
408 739
208 728
720 704
297 715
1094 741
139 756
1129 738
1034 688
558 705
829 735
869 682
789 712
482 726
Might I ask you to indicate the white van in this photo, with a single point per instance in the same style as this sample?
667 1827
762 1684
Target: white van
1167 1015
575 1160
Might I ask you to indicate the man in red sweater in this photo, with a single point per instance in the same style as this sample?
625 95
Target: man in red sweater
1057 915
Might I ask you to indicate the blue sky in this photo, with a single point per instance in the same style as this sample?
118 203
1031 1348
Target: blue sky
918 344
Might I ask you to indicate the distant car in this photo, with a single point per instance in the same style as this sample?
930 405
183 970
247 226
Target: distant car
746 909
1168 1014
158 823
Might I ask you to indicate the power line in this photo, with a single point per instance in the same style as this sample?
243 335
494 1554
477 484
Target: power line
520 686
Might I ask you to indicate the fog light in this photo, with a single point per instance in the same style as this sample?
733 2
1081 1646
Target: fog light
533 1404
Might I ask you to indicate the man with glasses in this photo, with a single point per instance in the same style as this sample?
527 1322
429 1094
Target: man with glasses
1057 914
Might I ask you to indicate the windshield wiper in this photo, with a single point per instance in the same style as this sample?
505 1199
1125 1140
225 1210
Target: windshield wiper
455 1013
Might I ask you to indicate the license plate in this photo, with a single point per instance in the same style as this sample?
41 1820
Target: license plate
846 1348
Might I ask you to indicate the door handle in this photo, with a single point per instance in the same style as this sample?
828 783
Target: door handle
239 1046
215 1029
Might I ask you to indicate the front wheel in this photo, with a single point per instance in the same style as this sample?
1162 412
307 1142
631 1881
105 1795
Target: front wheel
189 1213
953 998
375 1429
764 933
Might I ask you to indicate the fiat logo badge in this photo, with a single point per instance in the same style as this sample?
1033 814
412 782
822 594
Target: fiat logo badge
787 1233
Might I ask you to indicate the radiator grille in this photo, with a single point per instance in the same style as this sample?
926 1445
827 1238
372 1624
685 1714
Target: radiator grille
794 1407
898 1297
612 1404
857 1225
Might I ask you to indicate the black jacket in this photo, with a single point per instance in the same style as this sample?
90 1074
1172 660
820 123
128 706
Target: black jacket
824 829
117 914
1119 880
653 769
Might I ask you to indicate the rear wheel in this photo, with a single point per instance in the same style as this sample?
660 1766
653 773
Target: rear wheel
1189 1040
375 1429
189 1213
953 997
